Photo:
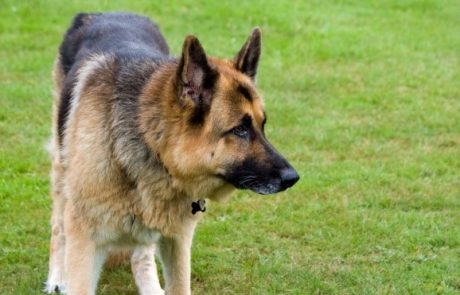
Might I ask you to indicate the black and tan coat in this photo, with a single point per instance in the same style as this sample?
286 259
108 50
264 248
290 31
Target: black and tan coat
139 138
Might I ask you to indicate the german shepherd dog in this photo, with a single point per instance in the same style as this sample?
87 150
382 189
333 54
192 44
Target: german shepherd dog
140 141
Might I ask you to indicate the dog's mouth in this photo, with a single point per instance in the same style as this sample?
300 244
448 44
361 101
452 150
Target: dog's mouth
265 188
264 185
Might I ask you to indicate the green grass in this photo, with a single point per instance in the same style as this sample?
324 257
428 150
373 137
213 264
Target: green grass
363 97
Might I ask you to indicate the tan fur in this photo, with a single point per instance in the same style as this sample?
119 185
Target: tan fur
118 258
56 264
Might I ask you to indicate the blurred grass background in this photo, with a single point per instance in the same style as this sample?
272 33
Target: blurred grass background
363 97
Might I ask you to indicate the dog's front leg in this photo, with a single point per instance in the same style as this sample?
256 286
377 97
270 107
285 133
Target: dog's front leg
145 271
83 260
175 257
56 276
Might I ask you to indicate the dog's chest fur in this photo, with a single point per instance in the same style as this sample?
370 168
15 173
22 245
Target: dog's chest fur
131 232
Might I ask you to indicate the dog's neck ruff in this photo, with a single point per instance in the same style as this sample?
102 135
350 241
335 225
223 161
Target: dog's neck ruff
199 205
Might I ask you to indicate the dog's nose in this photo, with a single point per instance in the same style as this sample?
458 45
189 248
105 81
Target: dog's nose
288 178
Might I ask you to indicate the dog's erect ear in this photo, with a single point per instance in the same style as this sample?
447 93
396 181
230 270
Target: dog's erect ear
247 60
195 75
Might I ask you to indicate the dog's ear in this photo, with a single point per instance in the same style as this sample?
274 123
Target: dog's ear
195 75
247 60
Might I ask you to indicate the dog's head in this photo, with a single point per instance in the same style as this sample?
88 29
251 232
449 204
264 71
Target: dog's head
223 119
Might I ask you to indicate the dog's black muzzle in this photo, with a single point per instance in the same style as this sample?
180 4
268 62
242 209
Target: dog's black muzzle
269 175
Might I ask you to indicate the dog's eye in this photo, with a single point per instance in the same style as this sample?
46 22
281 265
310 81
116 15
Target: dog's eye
241 131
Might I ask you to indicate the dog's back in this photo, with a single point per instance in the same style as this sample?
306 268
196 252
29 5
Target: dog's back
128 37
125 35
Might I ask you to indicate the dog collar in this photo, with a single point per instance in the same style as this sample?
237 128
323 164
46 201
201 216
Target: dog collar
199 205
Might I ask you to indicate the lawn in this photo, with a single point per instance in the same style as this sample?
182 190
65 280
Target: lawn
363 97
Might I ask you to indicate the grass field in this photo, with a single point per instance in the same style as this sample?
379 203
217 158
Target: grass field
363 97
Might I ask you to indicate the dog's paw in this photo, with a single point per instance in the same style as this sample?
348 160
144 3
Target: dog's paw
54 288
152 292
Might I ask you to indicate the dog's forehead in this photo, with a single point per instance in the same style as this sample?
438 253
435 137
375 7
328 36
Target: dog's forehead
255 109
239 96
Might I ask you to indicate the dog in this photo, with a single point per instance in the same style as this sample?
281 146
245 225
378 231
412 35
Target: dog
140 141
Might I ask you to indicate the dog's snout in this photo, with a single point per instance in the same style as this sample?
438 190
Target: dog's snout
288 177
